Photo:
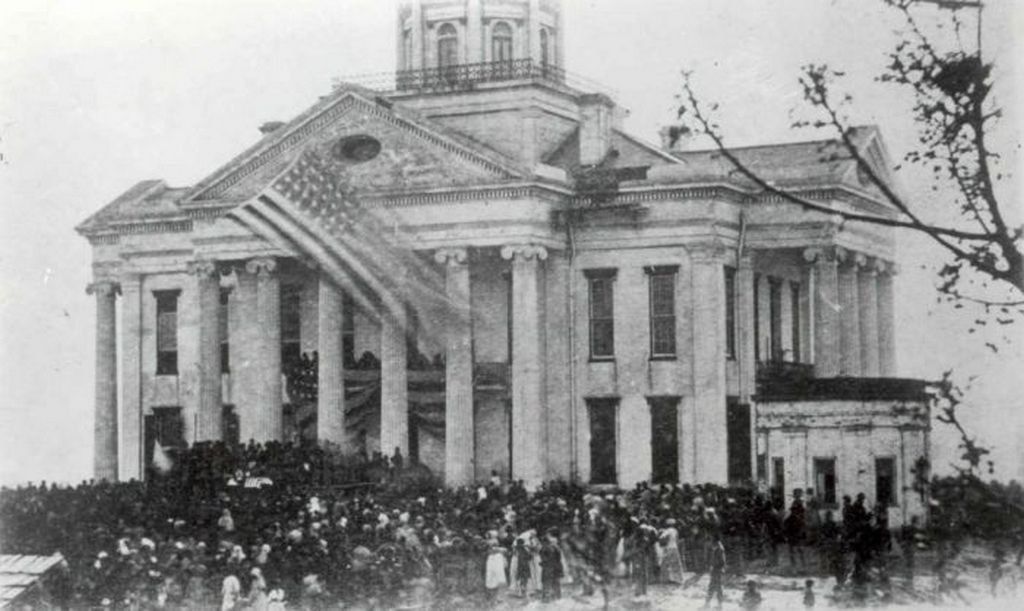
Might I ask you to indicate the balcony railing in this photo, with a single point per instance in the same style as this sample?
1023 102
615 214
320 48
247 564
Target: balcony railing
464 77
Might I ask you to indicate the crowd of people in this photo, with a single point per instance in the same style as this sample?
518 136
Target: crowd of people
262 527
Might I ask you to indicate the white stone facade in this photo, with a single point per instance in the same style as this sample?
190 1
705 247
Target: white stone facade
489 180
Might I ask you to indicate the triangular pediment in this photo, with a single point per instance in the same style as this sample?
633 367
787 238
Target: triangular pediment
414 153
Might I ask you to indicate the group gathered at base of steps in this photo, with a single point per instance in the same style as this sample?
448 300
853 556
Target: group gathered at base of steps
267 527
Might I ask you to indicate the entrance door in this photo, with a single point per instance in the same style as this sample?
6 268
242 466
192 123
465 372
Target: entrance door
664 440
738 441
602 441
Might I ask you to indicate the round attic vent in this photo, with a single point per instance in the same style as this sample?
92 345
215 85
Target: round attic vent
356 149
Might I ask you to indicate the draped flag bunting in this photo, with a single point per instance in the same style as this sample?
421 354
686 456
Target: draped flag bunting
310 209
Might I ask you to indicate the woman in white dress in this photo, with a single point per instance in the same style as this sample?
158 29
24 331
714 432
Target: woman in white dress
671 561
495 568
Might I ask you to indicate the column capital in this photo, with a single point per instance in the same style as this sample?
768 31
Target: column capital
204 268
261 266
887 267
451 256
524 252
104 287
821 254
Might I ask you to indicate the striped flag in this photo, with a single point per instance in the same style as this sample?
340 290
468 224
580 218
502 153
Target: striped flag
310 210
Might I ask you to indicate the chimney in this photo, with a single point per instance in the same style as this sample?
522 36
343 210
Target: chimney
676 138
596 119
270 127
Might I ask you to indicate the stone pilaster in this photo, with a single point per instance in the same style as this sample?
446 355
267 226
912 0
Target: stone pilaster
709 384
268 422
867 294
105 415
826 311
417 35
474 32
886 321
745 338
131 376
394 385
849 313
207 292
458 398
527 380
330 407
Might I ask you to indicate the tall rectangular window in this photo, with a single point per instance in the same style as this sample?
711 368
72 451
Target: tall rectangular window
602 313
291 325
778 491
794 297
737 441
348 330
730 312
757 317
222 329
775 318
825 480
662 289
885 481
167 332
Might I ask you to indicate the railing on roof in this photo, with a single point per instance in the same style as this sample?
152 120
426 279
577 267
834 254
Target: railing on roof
463 77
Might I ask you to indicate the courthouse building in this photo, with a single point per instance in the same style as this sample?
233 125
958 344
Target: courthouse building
620 311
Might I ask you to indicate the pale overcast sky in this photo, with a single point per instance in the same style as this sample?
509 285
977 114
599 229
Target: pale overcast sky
97 95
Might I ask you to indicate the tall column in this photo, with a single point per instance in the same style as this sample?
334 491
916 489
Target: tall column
745 328
886 322
458 373
394 385
210 404
849 313
105 418
709 386
533 36
268 421
245 355
867 294
417 35
330 405
527 388
826 311
474 32
131 377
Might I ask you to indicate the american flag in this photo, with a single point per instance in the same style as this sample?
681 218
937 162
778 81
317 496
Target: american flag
310 210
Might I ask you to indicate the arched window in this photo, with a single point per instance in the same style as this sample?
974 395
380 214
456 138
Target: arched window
501 42
447 46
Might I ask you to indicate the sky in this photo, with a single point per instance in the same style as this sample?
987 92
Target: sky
96 96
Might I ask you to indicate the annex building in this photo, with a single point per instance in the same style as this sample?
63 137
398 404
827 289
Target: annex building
477 265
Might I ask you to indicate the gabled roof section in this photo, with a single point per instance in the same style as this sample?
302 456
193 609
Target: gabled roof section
146 201
629 152
797 164
346 106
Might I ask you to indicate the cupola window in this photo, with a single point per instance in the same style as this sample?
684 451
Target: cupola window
447 46
501 42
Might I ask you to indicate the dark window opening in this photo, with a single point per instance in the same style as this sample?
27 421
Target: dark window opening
603 440
778 490
794 296
165 426
775 318
738 441
222 330
348 330
664 439
291 326
885 481
602 313
167 332
230 431
757 317
825 479
662 288
730 312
